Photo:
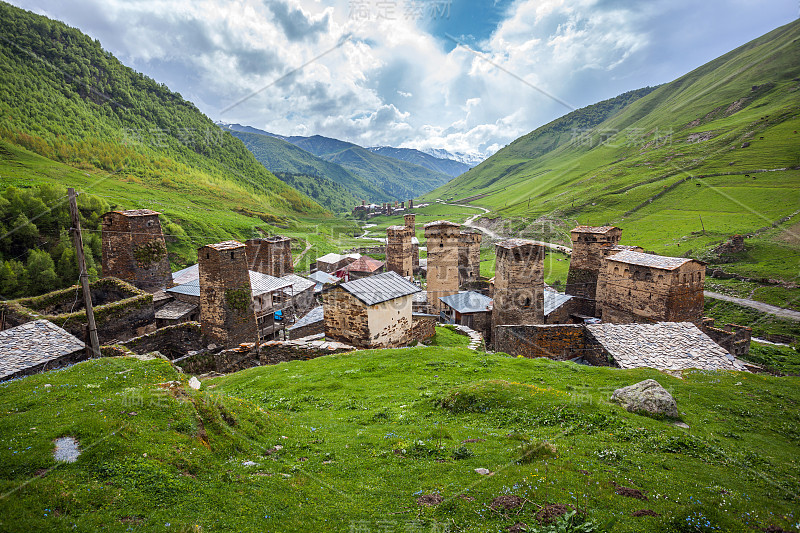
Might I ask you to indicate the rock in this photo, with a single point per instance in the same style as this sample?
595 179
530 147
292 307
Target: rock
483 471
194 383
249 463
67 450
647 397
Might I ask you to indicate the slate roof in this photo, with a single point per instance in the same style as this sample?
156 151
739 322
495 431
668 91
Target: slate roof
298 284
259 283
138 212
175 310
226 245
380 288
593 229
553 300
365 264
513 243
335 258
312 317
323 277
649 260
185 275
468 302
441 223
33 344
663 346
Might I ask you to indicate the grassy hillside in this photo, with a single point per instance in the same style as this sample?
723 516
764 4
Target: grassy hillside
325 445
72 115
281 156
679 169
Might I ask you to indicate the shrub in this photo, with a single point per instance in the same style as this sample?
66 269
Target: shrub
529 452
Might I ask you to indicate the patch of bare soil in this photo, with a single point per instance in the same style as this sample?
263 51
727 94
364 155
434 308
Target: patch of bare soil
645 512
429 499
507 501
518 527
630 493
472 440
790 235
549 513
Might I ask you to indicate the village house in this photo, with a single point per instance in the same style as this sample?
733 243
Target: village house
371 312
322 279
639 287
330 263
360 268
468 308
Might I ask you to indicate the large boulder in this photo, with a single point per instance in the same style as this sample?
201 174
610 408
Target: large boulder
647 397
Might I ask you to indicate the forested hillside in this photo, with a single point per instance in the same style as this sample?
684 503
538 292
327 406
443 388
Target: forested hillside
332 186
123 137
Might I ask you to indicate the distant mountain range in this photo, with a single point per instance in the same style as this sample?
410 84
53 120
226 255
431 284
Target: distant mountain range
445 165
471 159
376 174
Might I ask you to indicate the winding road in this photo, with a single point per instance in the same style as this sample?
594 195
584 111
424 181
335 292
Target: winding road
758 306
470 223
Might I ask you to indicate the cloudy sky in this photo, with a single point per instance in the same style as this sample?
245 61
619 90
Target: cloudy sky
464 75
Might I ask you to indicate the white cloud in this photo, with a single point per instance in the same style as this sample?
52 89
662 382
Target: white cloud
392 82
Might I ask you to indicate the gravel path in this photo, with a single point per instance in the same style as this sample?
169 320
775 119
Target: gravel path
758 306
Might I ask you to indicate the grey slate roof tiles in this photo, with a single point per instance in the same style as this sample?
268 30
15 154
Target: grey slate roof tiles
663 346
380 288
33 344
468 302
649 260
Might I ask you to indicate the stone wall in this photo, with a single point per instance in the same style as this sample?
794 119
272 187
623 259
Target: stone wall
732 337
346 317
443 249
269 353
226 303
519 283
423 327
172 341
134 249
558 342
315 328
270 255
126 313
635 293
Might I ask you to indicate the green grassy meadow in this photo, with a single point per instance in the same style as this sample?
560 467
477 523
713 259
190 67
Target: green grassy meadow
326 445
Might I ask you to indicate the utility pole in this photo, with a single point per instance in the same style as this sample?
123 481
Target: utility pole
87 293
701 224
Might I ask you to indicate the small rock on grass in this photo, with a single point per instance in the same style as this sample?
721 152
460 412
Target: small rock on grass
484 471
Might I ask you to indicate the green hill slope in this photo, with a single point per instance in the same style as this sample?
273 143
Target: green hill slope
325 445
281 156
401 180
97 125
691 149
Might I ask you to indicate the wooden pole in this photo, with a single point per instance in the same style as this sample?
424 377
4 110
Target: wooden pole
87 293
701 224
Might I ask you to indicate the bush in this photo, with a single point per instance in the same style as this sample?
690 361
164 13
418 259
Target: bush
529 452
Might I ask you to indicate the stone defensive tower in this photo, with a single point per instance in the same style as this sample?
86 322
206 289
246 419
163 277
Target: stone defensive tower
271 255
443 239
226 298
398 250
469 257
134 249
588 244
410 222
518 283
